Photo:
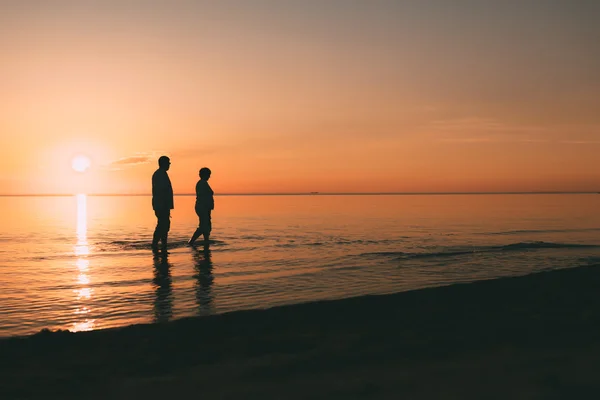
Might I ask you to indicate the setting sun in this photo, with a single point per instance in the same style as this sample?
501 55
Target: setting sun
81 163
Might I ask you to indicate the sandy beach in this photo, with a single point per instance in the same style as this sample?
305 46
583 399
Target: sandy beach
531 337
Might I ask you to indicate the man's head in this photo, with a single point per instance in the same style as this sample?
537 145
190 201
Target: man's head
164 162
204 173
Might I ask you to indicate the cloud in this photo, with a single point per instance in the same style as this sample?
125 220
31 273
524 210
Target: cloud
484 130
482 125
130 161
492 139
466 123
580 141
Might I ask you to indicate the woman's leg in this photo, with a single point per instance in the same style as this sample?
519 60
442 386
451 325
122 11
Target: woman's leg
206 225
198 231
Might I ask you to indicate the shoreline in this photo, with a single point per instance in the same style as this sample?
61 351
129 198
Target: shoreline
533 336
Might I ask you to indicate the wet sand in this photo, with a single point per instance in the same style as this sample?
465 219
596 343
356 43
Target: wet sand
532 337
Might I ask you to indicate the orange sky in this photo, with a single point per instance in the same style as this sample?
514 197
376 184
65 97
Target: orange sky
296 96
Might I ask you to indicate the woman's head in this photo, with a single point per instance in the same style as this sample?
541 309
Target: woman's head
204 173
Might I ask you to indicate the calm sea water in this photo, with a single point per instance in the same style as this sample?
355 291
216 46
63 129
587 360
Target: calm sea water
84 262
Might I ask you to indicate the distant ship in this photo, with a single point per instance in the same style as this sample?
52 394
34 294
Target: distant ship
314 192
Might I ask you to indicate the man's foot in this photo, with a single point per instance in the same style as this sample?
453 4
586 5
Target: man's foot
154 248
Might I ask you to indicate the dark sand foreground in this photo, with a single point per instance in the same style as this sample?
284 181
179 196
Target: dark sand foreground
532 337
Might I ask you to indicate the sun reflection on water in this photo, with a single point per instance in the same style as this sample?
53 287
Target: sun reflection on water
81 247
84 293
82 264
87 325
81 251
83 279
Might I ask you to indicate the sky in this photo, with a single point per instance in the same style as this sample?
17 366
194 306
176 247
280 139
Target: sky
300 96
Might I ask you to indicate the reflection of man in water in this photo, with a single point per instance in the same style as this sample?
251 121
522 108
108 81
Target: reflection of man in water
204 282
163 308
162 202
205 203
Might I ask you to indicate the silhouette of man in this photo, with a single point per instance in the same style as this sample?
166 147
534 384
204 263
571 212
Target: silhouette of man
162 203
205 203
163 289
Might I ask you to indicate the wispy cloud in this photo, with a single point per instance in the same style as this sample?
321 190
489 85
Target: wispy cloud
481 124
580 141
152 157
483 130
466 123
131 161
491 139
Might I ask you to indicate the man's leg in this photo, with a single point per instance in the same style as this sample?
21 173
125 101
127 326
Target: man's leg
157 231
163 225
166 226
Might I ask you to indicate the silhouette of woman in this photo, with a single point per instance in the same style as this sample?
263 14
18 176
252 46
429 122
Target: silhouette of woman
205 203
204 280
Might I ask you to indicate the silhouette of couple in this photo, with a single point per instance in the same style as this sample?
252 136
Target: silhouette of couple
162 204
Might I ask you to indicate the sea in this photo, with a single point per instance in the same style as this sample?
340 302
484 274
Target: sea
84 262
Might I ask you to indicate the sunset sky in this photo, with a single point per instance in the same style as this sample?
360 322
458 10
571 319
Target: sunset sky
297 96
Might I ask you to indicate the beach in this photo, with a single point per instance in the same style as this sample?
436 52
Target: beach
530 337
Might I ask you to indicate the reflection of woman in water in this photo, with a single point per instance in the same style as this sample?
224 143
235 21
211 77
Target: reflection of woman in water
163 308
205 203
204 282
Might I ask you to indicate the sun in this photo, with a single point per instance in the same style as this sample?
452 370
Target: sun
81 163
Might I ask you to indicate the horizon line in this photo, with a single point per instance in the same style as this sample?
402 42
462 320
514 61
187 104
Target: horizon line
303 194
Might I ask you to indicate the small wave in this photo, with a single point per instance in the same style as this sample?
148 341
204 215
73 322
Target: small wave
253 237
540 231
461 251
545 245
592 260
145 244
339 242
128 244
370 241
92 285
